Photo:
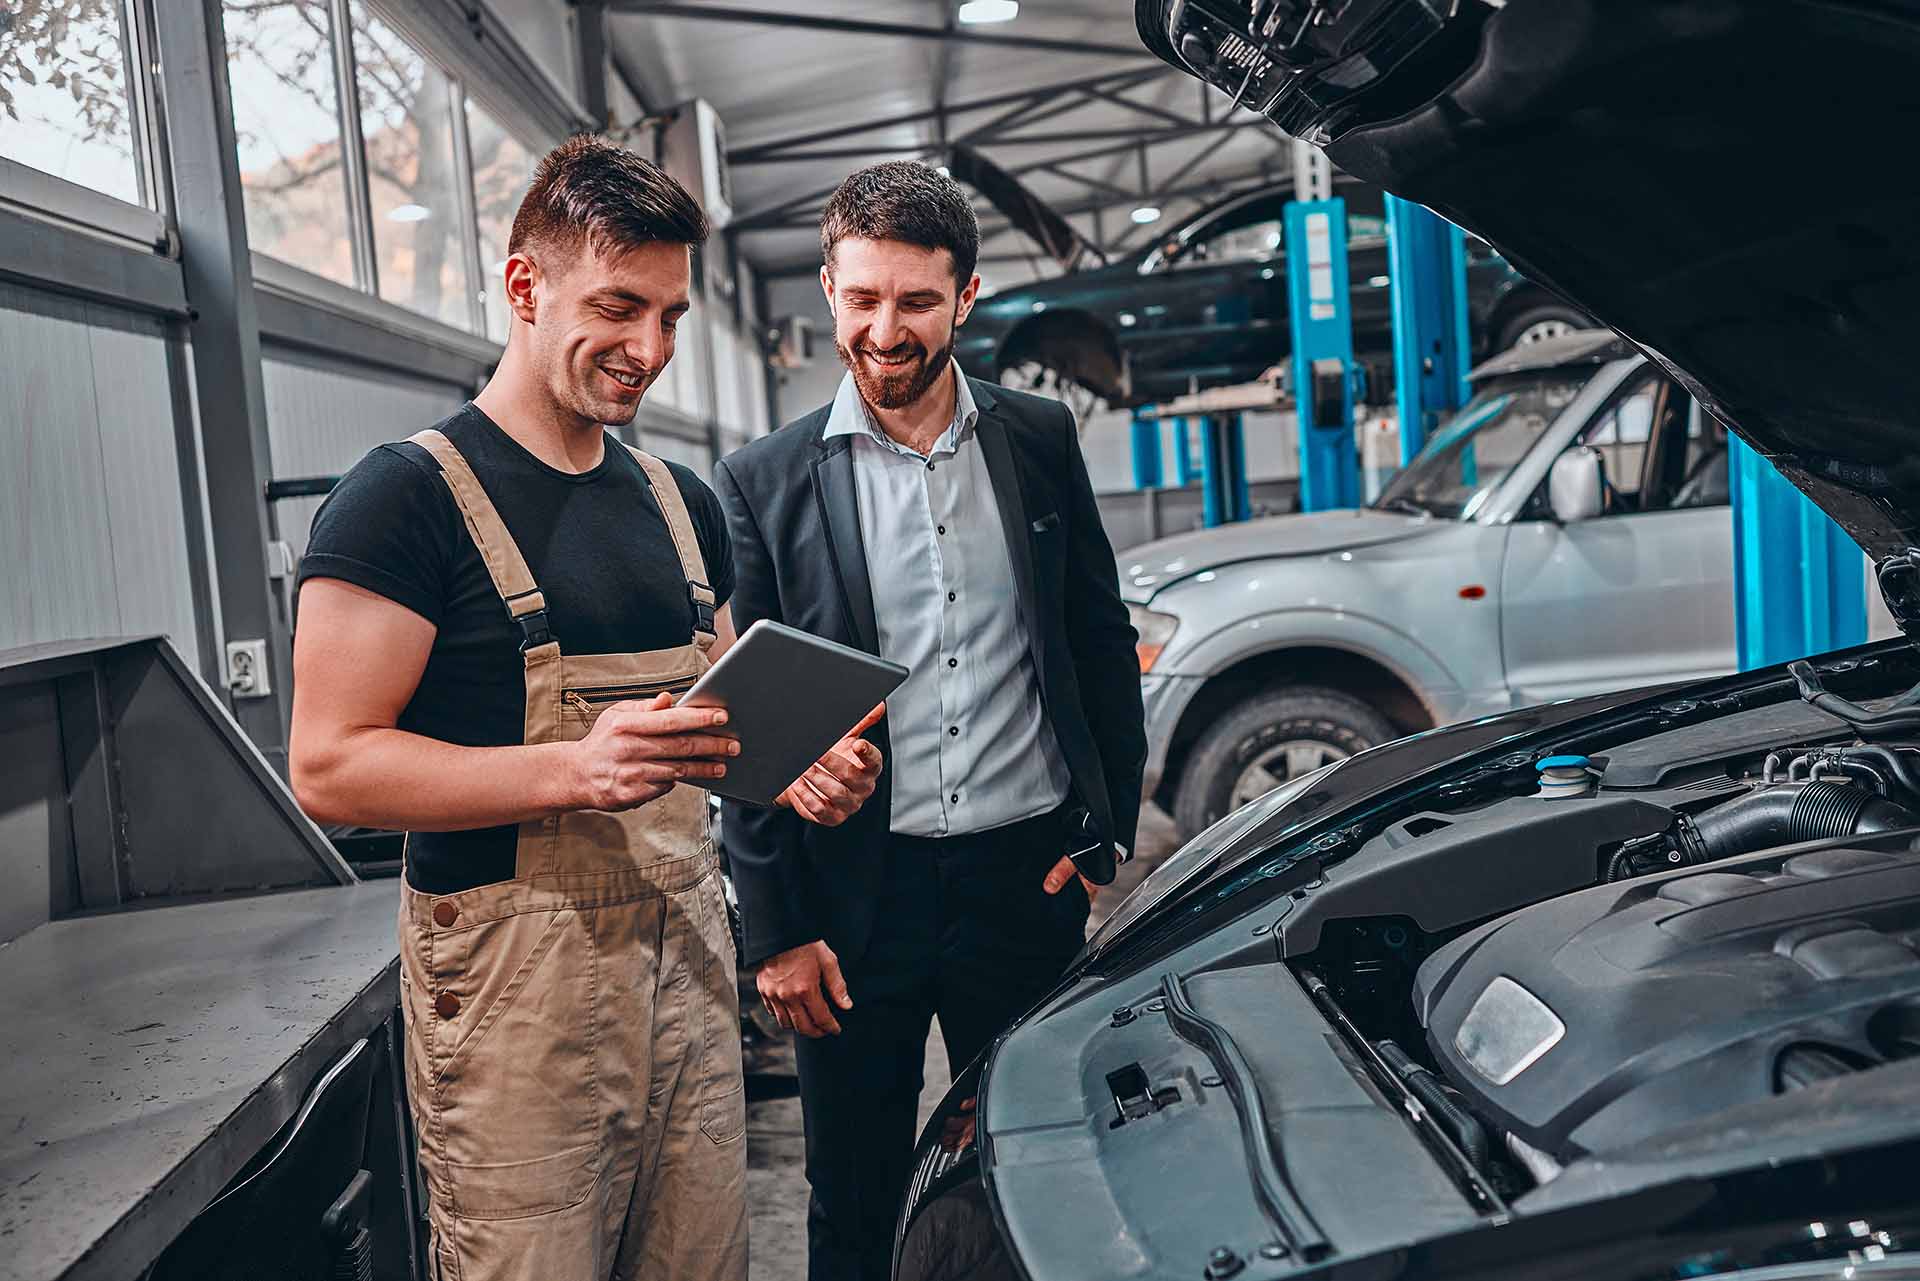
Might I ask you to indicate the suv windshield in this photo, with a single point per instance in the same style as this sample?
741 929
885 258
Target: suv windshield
1468 457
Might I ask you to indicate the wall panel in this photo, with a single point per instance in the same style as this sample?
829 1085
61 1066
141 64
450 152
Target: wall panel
323 417
90 508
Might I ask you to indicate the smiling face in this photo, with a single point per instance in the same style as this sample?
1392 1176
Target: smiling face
895 309
600 329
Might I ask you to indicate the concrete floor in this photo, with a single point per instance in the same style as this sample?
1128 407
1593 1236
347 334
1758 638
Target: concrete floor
776 1183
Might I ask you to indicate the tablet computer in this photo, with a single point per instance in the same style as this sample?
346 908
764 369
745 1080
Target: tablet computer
789 695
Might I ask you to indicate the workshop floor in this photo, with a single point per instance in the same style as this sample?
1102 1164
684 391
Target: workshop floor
776 1183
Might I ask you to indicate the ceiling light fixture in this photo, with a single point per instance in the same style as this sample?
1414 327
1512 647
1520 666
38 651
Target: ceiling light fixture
977 12
409 213
1146 214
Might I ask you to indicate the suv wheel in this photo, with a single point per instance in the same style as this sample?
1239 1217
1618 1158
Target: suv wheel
1266 741
1538 324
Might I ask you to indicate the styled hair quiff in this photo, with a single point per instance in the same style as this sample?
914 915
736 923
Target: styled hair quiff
587 191
907 201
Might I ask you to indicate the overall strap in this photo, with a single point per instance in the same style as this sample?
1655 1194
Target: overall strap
666 492
501 555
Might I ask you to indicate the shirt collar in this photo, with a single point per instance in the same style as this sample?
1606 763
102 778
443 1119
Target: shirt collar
850 416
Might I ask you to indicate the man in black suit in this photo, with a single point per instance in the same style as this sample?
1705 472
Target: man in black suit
948 525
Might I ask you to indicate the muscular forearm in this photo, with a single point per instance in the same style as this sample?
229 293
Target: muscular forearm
389 778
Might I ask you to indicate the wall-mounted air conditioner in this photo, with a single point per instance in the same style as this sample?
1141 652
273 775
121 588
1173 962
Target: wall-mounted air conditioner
790 342
693 148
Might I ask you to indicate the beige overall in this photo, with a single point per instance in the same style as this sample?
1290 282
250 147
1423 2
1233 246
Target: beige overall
573 1039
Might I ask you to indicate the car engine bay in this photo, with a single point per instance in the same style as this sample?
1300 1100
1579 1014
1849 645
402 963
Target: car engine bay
1714 916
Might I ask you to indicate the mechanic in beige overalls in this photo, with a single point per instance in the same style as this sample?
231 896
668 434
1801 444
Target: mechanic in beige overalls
591 997
495 618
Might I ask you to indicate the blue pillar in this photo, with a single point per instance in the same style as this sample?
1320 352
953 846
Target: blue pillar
1319 308
1146 449
1186 468
1223 470
1799 583
1427 263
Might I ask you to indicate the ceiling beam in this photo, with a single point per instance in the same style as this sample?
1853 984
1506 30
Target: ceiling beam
863 27
1135 74
1144 108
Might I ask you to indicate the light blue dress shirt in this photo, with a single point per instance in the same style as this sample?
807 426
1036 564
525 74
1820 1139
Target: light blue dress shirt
972 749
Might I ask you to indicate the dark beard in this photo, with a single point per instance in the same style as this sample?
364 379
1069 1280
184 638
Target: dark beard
898 390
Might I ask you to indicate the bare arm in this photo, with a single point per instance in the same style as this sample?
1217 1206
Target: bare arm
357 658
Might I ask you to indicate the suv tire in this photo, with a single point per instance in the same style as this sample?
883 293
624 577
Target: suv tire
1537 321
1298 720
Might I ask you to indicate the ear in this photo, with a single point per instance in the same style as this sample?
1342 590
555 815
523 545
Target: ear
826 284
963 305
523 281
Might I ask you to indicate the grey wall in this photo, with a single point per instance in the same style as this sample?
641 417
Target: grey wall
91 519
800 391
323 416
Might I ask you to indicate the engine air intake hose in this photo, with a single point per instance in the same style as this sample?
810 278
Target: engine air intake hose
1464 1126
1786 815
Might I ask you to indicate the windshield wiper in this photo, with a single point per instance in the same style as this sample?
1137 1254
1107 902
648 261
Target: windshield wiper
1302 1235
1406 505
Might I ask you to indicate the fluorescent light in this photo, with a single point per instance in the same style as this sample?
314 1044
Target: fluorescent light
409 213
974 12
1146 214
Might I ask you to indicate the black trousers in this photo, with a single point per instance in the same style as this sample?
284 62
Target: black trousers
964 931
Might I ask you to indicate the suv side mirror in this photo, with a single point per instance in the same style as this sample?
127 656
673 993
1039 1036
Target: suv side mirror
1576 487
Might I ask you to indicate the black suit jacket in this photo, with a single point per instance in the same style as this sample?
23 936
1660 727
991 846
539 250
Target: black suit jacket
799 559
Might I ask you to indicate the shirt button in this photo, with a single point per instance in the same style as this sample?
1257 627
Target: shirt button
955 798
951 596
953 731
953 662
941 528
929 466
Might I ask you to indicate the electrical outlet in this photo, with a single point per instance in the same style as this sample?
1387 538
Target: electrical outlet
247 669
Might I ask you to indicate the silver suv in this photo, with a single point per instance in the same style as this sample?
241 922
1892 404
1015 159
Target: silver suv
1566 532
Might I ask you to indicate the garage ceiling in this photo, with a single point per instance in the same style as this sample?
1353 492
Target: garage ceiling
1063 96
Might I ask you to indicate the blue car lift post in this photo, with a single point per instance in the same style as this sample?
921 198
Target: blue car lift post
1799 583
1427 266
1319 311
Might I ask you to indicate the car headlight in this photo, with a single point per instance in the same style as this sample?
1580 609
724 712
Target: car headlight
1155 630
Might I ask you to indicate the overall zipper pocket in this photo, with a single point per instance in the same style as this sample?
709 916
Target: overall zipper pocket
589 701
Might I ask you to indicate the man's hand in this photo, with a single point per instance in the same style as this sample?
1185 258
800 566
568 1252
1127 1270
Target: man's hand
790 987
1062 872
835 787
636 752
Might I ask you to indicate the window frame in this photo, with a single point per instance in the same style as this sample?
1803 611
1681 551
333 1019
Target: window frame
148 223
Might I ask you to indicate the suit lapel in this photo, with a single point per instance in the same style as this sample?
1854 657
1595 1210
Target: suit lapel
834 488
1008 496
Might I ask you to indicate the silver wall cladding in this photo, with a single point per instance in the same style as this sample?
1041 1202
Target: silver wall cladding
92 524
323 417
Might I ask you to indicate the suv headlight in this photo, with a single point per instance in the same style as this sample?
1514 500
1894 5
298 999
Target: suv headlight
1155 630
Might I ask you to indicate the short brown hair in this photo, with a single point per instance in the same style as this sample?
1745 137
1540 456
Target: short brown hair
906 201
589 190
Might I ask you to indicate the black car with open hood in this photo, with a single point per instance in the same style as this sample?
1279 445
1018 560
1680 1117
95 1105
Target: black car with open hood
1626 986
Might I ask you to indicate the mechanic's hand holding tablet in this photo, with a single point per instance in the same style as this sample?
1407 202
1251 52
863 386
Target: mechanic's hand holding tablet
789 698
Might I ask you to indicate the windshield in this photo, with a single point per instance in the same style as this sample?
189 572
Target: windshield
1467 458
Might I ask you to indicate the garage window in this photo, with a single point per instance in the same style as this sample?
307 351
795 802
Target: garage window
502 168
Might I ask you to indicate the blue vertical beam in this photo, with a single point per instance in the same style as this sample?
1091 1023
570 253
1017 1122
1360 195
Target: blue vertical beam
1799 583
1146 449
1427 263
1186 468
1236 447
1319 309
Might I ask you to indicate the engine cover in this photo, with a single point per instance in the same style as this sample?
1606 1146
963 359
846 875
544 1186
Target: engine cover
1608 1015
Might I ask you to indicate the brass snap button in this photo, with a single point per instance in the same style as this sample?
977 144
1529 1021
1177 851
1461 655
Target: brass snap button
446 1005
445 914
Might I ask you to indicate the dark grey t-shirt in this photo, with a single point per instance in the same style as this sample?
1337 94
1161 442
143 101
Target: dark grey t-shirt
597 545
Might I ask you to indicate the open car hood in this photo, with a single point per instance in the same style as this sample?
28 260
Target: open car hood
1722 181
